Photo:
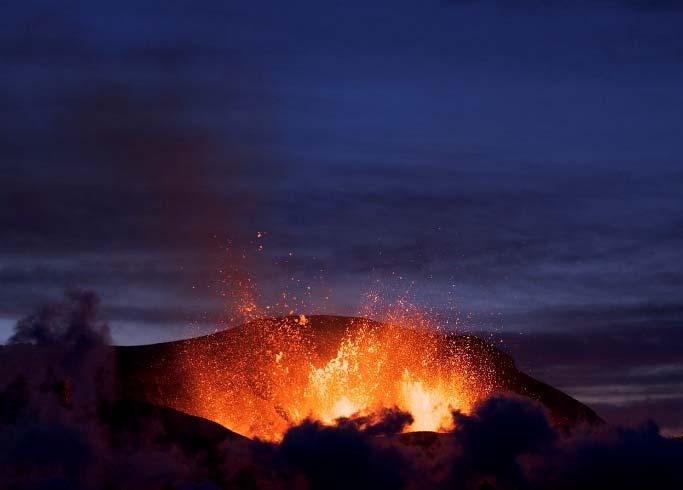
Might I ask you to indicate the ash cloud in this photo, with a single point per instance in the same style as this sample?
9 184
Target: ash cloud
62 425
70 323
504 443
388 421
340 457
491 440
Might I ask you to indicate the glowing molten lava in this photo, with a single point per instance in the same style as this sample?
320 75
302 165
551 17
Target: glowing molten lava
371 372
269 374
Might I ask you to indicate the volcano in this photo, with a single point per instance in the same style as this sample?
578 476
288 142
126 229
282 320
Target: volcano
317 402
268 374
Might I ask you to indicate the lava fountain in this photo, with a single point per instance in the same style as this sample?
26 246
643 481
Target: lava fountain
268 374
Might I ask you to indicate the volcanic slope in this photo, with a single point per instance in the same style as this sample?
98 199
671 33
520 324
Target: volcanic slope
262 377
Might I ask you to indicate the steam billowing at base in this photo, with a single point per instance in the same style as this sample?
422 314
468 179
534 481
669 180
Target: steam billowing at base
65 423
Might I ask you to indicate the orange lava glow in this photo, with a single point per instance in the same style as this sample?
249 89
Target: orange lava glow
265 376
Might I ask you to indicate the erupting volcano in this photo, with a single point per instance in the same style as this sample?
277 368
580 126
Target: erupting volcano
269 374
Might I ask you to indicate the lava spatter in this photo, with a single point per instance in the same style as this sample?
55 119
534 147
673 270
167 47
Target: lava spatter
269 374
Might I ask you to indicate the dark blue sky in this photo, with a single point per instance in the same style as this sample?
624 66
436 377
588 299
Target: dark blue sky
517 161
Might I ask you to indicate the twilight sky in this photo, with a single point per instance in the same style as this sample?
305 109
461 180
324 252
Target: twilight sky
515 164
